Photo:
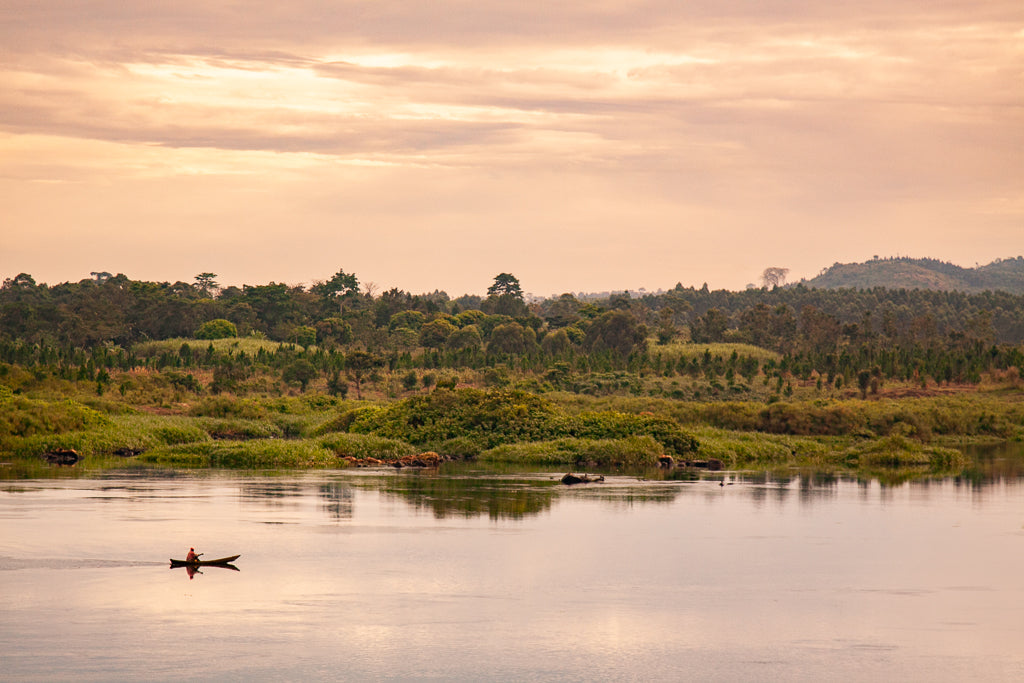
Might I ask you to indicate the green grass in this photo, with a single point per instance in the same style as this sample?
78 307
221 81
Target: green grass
250 345
900 452
365 446
256 454
631 451
723 350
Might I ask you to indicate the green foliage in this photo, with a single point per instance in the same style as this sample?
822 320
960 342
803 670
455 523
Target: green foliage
256 454
333 331
922 418
365 446
238 429
412 320
303 335
300 371
632 451
173 434
21 416
501 416
225 406
467 337
435 333
216 329
605 425
899 451
505 284
342 284
618 332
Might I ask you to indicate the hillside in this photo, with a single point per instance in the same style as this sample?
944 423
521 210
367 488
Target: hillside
908 273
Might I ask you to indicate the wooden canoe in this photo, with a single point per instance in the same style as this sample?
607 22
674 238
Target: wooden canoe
203 563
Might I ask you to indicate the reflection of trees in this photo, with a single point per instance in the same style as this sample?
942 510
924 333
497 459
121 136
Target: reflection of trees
447 496
337 500
270 493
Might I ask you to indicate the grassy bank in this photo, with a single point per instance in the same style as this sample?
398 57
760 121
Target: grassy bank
505 426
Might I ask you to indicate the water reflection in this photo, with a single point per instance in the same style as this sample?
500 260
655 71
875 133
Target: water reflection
454 495
272 493
192 570
338 500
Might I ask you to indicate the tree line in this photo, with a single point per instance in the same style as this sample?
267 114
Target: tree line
342 331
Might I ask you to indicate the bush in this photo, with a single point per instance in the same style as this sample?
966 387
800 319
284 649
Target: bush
366 446
216 329
631 451
501 416
226 406
21 416
899 451
237 429
256 454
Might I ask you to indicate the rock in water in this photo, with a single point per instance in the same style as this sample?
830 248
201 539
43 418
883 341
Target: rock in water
62 456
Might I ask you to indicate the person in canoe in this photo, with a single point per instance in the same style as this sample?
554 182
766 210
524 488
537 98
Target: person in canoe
192 557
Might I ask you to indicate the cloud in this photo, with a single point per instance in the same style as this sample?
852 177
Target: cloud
485 115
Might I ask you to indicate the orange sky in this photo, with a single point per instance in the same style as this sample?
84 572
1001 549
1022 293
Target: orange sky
582 146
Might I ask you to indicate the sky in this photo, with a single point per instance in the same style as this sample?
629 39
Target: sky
579 145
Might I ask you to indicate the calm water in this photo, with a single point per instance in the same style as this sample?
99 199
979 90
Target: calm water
474 576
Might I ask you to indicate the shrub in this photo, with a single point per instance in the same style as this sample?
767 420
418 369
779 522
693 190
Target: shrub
227 406
216 329
237 429
501 416
631 451
21 416
248 454
899 451
366 446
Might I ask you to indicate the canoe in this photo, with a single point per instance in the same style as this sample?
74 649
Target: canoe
203 563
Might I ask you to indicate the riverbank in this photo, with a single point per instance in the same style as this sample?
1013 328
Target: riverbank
923 434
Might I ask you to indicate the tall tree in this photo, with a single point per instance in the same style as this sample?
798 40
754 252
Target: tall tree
617 331
505 297
774 277
207 285
505 284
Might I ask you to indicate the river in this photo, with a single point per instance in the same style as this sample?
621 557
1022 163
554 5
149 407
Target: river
468 574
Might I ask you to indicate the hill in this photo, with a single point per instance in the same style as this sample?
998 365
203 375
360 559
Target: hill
908 273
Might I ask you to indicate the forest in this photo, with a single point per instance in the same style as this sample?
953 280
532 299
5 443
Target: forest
672 366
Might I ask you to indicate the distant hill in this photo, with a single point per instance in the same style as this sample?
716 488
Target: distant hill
909 273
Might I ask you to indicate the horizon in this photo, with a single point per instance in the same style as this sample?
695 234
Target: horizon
580 147
528 294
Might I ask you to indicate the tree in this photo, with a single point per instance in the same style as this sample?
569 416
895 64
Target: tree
666 328
357 365
304 336
710 327
467 337
435 333
505 284
618 332
216 329
334 331
340 288
774 277
557 342
512 338
341 284
300 371
206 284
504 297
411 319
563 311
410 381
